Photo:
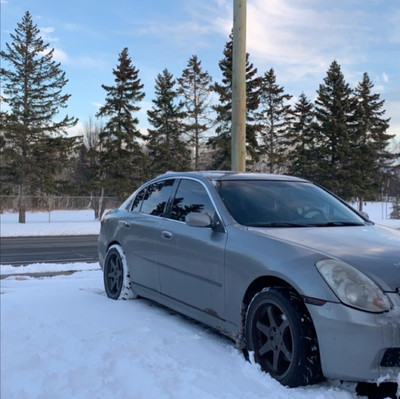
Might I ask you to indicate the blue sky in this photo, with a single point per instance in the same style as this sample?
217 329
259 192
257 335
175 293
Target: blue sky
298 38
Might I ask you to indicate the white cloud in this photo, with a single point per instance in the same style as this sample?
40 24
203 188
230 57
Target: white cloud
385 77
46 33
60 56
393 112
93 62
97 105
283 33
300 37
47 29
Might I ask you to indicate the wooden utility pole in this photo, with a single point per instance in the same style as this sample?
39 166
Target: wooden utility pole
238 146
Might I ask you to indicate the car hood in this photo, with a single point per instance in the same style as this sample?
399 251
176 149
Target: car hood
374 250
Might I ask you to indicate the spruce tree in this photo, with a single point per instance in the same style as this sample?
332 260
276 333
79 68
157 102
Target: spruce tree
221 141
373 160
121 157
302 140
166 147
194 86
334 111
274 122
35 146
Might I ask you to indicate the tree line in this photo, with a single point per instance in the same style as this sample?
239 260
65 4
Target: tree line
339 140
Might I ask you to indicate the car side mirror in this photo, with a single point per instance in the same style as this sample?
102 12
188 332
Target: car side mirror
198 219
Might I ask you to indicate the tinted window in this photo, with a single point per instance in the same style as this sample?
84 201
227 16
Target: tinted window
156 197
137 203
191 197
284 204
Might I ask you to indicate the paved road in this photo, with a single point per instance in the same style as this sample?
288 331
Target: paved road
52 249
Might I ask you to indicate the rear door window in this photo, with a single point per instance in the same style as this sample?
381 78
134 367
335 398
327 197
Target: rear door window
156 197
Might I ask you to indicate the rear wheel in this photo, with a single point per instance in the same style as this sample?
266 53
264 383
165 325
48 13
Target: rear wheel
117 281
280 333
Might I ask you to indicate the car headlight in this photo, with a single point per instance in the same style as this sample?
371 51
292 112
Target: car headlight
352 287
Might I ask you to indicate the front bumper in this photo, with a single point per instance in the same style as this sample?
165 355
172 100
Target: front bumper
358 346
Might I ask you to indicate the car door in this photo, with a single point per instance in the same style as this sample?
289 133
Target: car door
142 233
192 258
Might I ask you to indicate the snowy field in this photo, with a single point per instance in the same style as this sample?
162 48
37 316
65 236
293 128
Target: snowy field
49 224
61 337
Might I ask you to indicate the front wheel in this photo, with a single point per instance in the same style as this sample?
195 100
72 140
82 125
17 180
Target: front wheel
117 281
280 333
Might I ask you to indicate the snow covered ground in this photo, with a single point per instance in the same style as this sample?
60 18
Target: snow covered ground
62 338
47 224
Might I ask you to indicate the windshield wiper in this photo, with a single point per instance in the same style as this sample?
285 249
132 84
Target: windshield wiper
336 224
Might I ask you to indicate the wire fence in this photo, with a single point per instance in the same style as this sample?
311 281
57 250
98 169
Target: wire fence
11 204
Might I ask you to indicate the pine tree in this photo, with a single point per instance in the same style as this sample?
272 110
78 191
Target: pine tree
166 148
195 88
302 140
334 111
221 142
373 160
121 158
274 122
34 145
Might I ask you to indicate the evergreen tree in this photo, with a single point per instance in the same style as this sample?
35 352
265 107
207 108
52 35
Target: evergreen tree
275 119
221 142
34 146
195 88
166 148
334 111
302 140
121 158
372 157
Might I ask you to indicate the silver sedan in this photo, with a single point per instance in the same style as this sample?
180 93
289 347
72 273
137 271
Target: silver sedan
303 283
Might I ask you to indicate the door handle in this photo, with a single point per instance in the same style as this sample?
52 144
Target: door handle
167 235
127 225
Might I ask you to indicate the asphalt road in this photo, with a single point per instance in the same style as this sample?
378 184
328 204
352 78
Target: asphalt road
18 251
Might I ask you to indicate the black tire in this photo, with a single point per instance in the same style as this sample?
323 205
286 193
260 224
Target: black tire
280 332
117 281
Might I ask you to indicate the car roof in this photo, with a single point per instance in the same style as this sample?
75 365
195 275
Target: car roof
223 175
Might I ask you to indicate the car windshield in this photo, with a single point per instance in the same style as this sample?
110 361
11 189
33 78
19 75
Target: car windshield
266 203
